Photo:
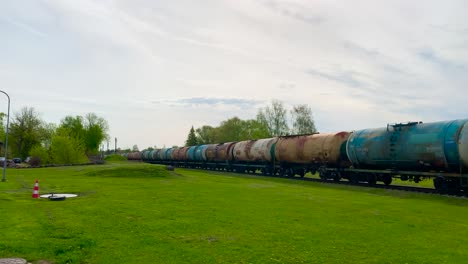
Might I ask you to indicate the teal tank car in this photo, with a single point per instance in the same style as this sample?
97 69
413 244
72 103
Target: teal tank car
168 154
191 153
438 146
200 153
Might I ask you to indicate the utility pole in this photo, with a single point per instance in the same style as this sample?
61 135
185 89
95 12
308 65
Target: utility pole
115 146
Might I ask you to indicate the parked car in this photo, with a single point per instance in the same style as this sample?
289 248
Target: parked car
17 160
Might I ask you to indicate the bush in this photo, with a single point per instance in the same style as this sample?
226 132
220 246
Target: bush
66 150
39 156
35 161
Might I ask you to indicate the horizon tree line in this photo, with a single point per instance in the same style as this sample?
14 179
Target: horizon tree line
74 140
271 121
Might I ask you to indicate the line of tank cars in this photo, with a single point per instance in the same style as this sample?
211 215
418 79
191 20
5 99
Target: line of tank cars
409 151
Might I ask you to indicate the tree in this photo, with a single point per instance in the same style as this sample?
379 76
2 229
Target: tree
274 118
253 129
231 130
135 148
91 130
191 139
25 131
95 132
48 130
206 135
303 122
72 127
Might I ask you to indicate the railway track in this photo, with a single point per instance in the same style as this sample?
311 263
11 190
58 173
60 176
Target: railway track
379 186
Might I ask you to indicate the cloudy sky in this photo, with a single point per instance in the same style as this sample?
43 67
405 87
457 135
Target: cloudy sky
155 68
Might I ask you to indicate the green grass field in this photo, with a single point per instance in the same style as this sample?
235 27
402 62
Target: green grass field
139 213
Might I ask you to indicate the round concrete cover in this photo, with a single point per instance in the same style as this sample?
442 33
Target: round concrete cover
68 195
12 261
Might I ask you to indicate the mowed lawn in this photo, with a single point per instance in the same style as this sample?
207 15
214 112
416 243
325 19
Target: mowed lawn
140 213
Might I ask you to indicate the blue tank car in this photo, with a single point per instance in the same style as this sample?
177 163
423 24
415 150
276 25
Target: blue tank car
438 146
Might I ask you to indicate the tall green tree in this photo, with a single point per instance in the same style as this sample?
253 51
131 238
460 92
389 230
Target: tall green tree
254 129
48 130
192 138
90 130
25 131
231 130
303 121
206 135
274 117
95 132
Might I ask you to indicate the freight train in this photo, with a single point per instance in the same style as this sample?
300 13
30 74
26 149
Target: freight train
408 151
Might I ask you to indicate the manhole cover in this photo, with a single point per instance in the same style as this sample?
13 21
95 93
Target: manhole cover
67 195
12 261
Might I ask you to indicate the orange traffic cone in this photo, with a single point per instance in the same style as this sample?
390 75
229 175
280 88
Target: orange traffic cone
36 190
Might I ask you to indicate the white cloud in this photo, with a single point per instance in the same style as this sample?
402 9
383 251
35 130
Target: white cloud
357 64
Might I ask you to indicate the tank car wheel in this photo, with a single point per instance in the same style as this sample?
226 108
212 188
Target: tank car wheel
323 175
301 172
372 179
281 172
354 178
440 184
454 187
291 172
336 176
387 179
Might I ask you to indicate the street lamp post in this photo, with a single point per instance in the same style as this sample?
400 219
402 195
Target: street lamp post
6 140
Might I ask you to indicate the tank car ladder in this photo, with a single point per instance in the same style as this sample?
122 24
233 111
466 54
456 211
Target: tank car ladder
394 137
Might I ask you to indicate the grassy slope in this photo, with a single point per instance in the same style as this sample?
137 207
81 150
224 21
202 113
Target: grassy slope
138 213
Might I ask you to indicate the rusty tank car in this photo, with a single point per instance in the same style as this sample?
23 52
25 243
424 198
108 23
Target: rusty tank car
322 149
256 154
224 152
259 151
134 156
210 152
180 154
